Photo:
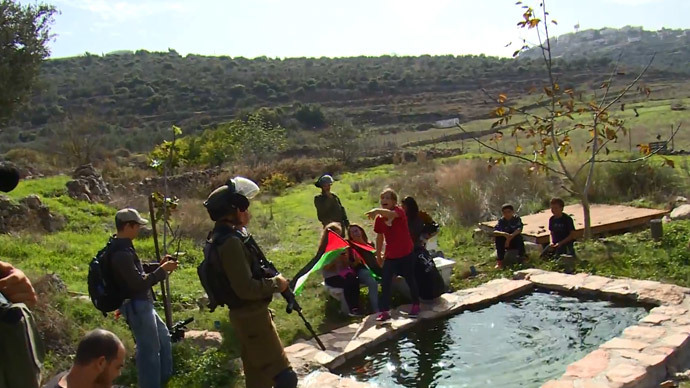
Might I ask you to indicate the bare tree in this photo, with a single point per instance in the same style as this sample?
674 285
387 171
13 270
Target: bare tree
79 140
549 134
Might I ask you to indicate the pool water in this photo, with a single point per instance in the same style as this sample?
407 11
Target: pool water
519 343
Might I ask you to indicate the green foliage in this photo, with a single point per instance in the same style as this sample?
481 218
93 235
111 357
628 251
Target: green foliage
251 141
276 184
208 369
311 116
23 46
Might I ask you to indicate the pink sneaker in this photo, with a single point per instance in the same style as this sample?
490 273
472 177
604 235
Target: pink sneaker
383 316
414 311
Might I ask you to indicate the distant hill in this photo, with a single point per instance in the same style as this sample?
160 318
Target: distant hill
672 47
135 95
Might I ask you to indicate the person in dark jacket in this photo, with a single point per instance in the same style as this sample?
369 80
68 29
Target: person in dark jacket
154 350
328 206
422 226
508 235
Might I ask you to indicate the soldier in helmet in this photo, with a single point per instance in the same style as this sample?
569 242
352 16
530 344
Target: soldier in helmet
250 291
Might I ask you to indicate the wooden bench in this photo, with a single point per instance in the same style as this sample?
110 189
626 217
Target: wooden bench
444 266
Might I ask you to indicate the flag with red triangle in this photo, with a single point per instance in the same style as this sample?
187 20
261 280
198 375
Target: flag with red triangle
335 246
366 254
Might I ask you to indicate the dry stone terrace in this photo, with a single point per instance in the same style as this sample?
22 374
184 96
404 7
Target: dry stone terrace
643 356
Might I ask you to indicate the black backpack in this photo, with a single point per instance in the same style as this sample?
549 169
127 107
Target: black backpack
103 290
212 275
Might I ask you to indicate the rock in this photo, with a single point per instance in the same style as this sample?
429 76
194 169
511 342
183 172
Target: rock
202 302
49 284
626 374
145 232
88 185
32 201
622 343
666 219
204 339
50 222
683 376
682 212
589 366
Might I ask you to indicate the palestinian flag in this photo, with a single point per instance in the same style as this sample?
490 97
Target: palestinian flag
366 253
335 246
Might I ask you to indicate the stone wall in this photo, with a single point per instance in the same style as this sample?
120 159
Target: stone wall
27 213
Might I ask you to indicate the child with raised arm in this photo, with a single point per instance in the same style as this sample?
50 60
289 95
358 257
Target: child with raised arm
391 224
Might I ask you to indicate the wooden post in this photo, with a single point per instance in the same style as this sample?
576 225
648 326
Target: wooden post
657 229
673 140
164 289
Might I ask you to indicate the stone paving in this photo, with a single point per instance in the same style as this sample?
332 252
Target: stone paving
644 354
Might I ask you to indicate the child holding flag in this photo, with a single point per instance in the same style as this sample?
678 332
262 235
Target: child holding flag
391 224
338 273
364 263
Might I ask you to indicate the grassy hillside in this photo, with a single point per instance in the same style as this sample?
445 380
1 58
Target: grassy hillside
132 97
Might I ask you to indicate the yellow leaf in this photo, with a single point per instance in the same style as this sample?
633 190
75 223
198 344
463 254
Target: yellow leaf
644 149
534 22
554 22
610 134
518 149
502 98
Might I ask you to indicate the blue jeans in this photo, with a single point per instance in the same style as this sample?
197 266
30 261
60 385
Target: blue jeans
404 267
154 350
365 278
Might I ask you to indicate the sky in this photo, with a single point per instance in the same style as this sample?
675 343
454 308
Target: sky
316 28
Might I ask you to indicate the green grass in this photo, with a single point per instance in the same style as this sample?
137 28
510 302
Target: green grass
287 228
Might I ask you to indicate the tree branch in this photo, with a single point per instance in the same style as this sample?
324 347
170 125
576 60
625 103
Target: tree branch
643 157
610 81
630 85
520 110
570 191
516 156
549 68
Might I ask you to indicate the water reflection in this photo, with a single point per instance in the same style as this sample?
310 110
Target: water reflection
520 343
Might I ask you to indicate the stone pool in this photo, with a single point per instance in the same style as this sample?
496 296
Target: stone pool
517 343
643 355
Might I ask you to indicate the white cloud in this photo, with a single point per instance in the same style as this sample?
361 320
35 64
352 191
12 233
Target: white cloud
120 11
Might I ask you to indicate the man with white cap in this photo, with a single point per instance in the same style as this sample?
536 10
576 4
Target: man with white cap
154 350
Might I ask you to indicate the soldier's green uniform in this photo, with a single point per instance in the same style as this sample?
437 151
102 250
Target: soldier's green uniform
329 209
328 206
263 356
264 361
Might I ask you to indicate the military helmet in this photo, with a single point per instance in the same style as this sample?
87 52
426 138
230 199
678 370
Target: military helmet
233 195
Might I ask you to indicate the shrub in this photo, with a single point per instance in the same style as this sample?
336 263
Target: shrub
624 182
276 183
